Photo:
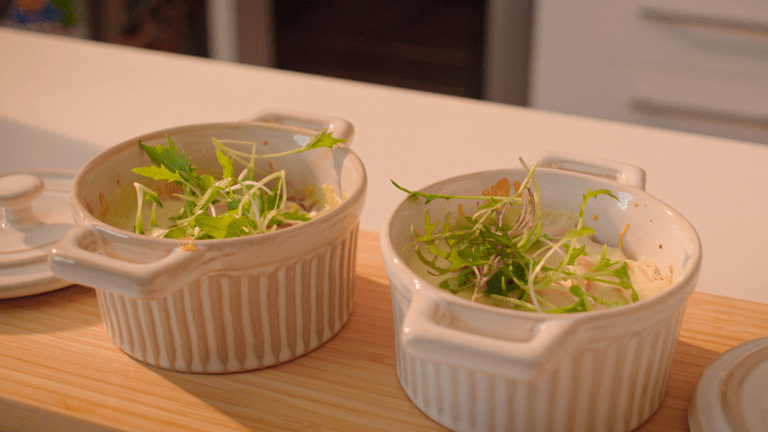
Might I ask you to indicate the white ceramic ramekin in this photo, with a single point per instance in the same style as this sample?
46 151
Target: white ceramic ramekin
474 367
224 305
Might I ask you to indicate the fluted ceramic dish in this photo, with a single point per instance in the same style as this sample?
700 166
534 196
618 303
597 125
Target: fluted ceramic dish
474 367
224 305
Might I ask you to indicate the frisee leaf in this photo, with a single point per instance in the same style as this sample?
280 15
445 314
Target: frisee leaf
159 173
167 156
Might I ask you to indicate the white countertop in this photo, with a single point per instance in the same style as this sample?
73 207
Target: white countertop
82 96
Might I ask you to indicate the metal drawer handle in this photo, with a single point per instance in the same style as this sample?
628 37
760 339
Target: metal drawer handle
685 19
663 109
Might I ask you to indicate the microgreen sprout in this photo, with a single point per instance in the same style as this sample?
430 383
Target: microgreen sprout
502 256
231 206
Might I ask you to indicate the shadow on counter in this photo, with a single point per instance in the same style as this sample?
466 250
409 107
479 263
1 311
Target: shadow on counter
27 147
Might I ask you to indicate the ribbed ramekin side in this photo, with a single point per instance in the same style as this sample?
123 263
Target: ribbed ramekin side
602 386
241 320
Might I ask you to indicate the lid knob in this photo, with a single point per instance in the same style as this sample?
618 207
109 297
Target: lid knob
17 192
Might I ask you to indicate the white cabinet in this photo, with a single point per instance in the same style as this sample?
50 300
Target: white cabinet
698 66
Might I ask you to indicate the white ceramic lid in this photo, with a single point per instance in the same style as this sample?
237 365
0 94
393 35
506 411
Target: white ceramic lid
34 214
732 393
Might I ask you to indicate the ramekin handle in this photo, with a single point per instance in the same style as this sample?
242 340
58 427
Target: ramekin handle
424 337
71 261
339 128
619 172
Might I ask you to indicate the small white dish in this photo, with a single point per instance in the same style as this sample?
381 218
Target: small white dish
34 214
475 367
219 305
732 393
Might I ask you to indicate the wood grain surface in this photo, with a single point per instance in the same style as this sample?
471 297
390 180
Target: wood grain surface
60 371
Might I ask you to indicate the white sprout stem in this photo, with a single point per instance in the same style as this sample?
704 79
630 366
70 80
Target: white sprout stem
242 175
186 198
484 276
242 185
481 215
513 301
254 207
556 246
253 144
268 217
192 187
545 258
284 189
531 288
140 190
236 154
274 175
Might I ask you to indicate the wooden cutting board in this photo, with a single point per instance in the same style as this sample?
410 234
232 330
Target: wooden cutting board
60 371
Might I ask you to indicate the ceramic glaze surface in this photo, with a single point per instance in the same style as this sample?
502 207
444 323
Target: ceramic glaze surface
34 215
592 371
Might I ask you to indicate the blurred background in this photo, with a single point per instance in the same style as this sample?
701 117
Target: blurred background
693 65
432 45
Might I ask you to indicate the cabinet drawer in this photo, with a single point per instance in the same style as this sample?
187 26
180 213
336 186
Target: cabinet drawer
715 104
711 34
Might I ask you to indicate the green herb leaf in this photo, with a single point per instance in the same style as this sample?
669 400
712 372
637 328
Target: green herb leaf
227 164
223 226
322 139
431 197
159 173
167 156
